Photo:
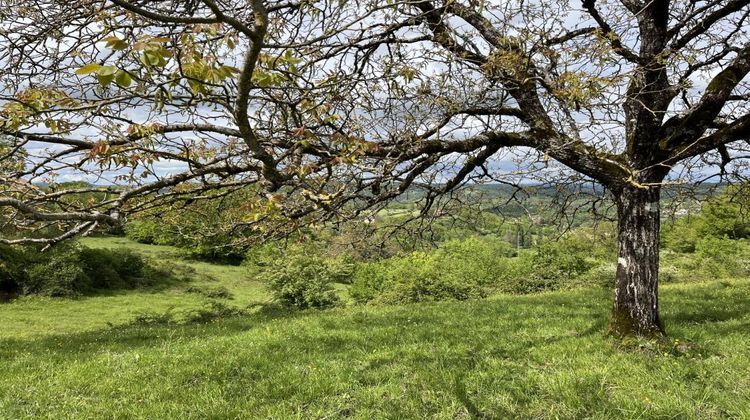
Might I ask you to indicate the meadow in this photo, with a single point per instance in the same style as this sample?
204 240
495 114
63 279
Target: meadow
170 352
374 209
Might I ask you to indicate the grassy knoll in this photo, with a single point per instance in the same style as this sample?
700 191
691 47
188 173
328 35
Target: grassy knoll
541 355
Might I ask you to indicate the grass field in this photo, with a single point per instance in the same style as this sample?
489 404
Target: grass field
537 356
31 317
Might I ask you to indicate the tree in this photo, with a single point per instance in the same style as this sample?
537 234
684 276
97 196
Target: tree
335 107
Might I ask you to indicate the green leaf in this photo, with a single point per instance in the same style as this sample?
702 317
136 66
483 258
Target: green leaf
153 58
107 71
51 124
88 69
214 76
120 44
123 79
164 52
105 80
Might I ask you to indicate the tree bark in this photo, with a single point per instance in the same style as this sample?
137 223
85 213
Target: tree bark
636 306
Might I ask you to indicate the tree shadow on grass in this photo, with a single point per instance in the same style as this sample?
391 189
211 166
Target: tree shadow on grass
151 331
462 324
699 306
394 326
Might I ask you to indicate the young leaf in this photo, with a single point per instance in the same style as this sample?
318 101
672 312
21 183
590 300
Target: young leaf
107 70
88 69
115 43
105 80
123 79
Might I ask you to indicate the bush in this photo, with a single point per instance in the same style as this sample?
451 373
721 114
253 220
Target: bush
458 270
146 232
724 216
478 259
303 281
370 280
721 257
12 275
721 216
215 310
219 292
60 275
682 235
205 229
602 275
427 277
669 274
722 250
565 262
72 270
109 269
472 267
264 256
562 260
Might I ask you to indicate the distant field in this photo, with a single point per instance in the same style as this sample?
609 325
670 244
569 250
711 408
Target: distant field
537 356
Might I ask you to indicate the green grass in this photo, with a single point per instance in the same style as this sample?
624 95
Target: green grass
243 286
34 316
538 356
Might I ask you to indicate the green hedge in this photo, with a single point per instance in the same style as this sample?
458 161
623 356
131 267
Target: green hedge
72 270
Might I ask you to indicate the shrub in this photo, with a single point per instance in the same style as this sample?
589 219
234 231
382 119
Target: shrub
219 292
215 310
475 259
303 281
370 280
112 269
602 275
722 250
264 256
459 270
422 277
60 275
566 261
12 262
721 257
724 216
152 318
72 270
211 311
341 268
487 247
205 229
669 274
145 231
471 267
561 260
682 235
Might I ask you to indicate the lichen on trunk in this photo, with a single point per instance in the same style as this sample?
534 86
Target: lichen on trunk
636 304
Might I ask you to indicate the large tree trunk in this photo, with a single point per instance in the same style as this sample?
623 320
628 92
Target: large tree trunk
636 307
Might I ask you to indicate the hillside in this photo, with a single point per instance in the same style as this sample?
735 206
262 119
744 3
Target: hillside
541 356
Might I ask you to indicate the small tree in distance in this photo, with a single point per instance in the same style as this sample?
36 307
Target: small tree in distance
331 108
